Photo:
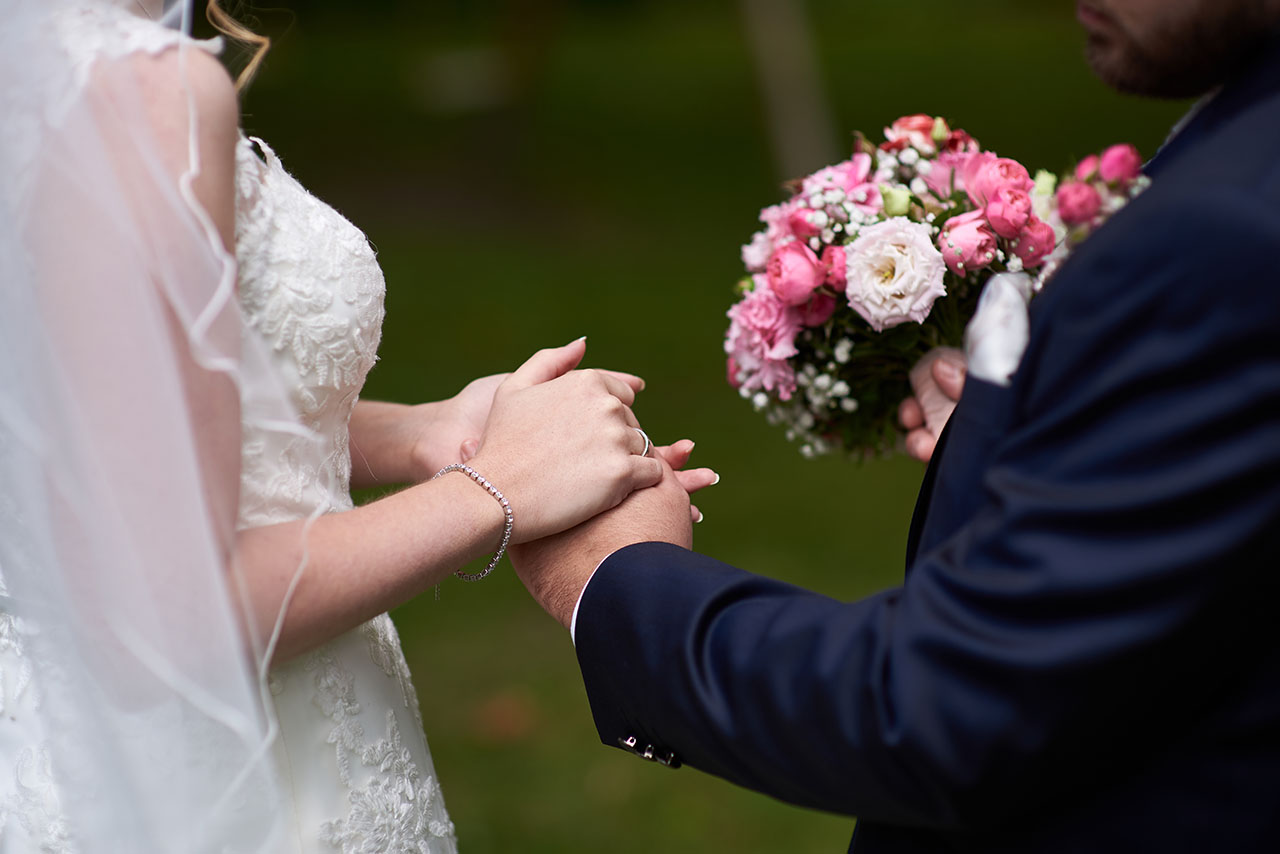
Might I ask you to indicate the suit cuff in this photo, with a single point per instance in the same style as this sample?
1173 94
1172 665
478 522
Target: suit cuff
573 621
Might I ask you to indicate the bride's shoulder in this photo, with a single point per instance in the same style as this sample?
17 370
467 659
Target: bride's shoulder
178 101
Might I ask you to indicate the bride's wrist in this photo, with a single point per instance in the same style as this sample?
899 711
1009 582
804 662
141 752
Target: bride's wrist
490 512
423 457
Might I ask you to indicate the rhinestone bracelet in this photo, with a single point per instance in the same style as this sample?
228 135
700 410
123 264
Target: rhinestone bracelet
506 509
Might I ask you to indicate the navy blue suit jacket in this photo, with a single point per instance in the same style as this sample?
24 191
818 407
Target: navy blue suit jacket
1085 652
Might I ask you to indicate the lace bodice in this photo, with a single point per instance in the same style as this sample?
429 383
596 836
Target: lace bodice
355 766
311 287
351 732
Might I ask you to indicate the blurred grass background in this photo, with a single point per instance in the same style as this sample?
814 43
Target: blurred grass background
535 170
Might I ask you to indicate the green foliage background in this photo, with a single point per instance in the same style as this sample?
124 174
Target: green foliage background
605 190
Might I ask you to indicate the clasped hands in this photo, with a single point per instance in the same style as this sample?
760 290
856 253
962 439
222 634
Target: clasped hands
564 446
598 495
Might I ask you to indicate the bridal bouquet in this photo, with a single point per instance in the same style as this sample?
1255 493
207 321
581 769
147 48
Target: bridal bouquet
876 260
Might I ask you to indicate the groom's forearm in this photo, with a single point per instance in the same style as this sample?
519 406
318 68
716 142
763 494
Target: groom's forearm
746 678
910 708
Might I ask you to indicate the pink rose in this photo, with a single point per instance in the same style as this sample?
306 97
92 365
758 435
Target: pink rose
834 262
1078 202
801 225
818 310
946 173
1086 169
1120 163
1008 211
1035 242
959 142
983 177
916 131
968 167
967 243
761 338
794 272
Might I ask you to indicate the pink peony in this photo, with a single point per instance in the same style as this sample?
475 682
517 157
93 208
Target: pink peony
967 243
794 272
985 174
818 310
916 131
894 273
853 176
756 253
1034 243
1008 211
867 198
777 221
731 370
1120 163
833 261
1078 203
845 175
761 338
1086 169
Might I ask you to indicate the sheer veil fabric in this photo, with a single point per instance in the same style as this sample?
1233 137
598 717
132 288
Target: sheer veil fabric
117 570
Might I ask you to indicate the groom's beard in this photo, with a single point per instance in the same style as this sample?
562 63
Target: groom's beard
1183 50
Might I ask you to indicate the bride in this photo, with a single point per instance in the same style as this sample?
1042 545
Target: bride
194 649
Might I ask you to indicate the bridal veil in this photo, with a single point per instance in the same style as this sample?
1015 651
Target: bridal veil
114 559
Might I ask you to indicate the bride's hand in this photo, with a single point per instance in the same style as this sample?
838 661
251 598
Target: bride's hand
562 445
444 426
676 455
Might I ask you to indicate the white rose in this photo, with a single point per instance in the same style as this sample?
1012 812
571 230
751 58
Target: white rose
894 273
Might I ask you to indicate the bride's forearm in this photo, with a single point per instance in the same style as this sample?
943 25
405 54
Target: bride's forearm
386 440
365 561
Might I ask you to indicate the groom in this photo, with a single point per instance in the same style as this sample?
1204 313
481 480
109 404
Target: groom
1084 655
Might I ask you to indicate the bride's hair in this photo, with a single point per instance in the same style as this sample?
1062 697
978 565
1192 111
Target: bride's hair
257 45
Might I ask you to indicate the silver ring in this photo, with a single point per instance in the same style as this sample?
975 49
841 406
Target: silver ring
647 444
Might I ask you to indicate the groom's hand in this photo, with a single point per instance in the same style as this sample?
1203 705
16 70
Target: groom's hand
557 568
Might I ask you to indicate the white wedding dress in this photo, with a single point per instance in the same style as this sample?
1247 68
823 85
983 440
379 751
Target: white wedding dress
351 753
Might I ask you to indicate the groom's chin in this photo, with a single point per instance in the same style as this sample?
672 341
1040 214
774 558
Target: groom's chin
1131 72
1180 55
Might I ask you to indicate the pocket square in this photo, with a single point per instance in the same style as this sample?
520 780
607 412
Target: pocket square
996 337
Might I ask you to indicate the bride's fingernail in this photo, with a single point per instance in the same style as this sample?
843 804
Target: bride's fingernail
576 340
700 518
717 480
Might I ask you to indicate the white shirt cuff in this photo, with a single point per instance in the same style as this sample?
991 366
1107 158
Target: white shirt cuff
573 621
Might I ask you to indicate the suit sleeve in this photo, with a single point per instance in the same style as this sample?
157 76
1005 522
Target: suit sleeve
1116 578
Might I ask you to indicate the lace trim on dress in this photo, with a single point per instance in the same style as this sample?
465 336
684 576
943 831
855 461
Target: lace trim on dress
386 652
397 811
